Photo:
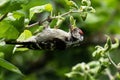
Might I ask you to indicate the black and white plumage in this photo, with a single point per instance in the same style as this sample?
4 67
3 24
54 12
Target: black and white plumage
51 39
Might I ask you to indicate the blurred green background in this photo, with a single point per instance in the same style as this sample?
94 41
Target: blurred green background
52 65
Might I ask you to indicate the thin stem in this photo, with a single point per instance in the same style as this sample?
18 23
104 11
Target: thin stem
2 17
39 22
51 18
112 62
32 25
109 74
65 14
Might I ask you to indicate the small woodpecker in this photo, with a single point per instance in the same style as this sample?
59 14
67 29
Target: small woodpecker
51 39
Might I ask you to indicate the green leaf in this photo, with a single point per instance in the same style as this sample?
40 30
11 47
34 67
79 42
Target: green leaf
17 20
59 21
19 24
39 9
48 7
37 29
7 50
71 3
80 67
86 2
5 64
8 31
83 16
2 75
1 55
10 5
25 35
104 62
108 44
72 21
91 10
3 3
116 44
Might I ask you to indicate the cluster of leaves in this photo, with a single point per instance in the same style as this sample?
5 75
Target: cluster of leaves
93 69
16 17
14 24
10 28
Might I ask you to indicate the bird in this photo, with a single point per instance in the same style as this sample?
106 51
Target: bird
52 39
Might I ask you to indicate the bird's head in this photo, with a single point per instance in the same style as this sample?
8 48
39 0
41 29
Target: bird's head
76 34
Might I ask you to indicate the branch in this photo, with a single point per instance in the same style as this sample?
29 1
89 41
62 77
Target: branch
67 13
39 22
49 19
109 74
4 16
111 61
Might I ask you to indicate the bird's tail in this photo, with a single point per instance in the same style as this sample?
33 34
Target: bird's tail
14 42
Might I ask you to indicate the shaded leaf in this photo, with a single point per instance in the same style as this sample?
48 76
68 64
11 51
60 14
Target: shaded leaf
10 5
17 20
3 5
5 64
84 16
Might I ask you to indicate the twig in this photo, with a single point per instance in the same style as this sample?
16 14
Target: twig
2 17
51 18
32 24
116 66
39 22
112 62
109 74
67 13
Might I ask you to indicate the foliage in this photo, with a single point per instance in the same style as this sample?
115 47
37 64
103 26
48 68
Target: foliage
9 66
21 19
91 70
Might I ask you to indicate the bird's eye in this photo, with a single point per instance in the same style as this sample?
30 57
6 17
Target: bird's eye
81 32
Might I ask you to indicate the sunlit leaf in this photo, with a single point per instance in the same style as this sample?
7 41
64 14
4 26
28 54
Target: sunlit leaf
8 31
48 7
83 16
25 35
1 55
72 21
59 21
71 3
39 9
86 2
